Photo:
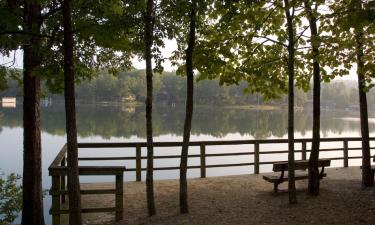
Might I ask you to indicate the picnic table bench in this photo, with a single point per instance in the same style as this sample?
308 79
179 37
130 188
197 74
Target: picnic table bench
300 165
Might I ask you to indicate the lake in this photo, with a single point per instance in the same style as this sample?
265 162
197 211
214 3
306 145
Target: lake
125 123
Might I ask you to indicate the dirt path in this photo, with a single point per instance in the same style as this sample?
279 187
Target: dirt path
245 199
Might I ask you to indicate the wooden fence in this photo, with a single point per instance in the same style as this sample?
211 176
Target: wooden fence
58 171
58 168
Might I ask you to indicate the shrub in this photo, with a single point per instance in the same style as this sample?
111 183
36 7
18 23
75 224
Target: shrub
10 198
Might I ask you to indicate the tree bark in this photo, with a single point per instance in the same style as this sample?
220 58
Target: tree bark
150 146
291 52
189 110
314 180
32 198
367 175
70 112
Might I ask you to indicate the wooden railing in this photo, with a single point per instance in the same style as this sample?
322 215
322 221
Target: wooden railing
58 169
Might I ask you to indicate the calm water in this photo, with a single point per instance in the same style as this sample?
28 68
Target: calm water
121 124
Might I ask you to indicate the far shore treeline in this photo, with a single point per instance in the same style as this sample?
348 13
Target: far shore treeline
169 89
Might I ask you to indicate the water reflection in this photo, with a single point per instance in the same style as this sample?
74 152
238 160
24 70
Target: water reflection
124 122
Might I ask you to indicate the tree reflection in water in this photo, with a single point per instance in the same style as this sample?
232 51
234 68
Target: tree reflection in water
126 121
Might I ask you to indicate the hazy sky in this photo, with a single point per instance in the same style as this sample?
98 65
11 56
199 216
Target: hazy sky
170 46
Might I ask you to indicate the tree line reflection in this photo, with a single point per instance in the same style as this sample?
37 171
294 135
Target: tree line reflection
126 121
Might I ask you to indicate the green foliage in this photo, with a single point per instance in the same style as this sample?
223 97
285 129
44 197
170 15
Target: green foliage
339 30
246 41
9 75
94 49
238 42
10 198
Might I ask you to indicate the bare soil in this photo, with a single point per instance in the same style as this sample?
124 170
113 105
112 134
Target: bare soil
244 199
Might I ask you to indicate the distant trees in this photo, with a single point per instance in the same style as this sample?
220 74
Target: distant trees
170 88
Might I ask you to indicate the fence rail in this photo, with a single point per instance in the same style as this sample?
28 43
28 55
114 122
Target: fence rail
58 169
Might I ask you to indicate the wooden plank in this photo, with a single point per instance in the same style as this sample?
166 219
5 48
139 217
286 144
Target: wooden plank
304 150
298 151
101 170
85 210
105 158
346 153
119 198
63 183
256 158
198 143
203 160
230 165
59 157
354 149
56 200
355 157
273 178
97 191
58 171
138 163
134 158
196 167
229 154
173 168
89 170
86 192
299 164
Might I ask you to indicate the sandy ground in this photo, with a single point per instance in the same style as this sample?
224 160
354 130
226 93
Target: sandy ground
245 199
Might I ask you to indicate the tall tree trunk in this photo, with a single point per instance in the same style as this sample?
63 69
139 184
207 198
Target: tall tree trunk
291 52
150 145
367 175
32 199
314 181
70 111
189 110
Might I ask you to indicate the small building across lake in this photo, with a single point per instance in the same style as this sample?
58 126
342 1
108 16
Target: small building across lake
8 102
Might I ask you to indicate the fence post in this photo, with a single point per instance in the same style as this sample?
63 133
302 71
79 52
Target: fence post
62 182
119 197
346 154
203 160
55 200
256 158
303 150
138 163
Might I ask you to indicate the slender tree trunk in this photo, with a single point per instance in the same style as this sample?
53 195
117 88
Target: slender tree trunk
70 111
367 175
291 52
189 111
32 200
150 144
314 180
